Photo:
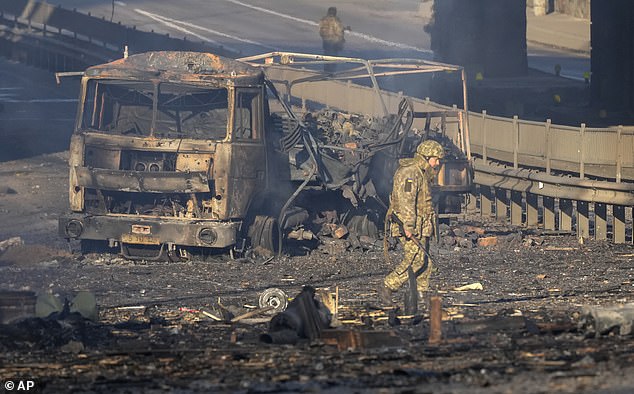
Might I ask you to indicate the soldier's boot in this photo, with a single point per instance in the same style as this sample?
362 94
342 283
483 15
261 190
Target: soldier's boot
423 301
385 294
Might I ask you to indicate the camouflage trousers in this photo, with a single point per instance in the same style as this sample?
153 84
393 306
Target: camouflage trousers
420 262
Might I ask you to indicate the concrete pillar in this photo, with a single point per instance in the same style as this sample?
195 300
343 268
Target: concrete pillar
540 7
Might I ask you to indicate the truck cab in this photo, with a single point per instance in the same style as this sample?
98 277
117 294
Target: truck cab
169 150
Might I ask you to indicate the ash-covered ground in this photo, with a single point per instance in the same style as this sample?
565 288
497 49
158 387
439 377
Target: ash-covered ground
523 332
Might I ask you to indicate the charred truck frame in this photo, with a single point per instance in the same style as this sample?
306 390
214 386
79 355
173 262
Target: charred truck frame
179 150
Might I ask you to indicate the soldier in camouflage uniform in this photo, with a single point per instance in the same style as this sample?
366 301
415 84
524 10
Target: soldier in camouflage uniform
411 202
331 32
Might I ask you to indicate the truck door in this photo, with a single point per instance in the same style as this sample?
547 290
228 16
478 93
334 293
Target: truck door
248 174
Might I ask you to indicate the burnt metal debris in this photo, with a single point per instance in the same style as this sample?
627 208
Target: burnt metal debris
304 318
176 153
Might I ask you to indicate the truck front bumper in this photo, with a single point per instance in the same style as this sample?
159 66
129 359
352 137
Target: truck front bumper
129 229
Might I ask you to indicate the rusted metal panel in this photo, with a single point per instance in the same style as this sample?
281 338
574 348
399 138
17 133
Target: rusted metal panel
180 231
109 141
197 162
102 158
75 159
180 67
221 171
149 182
247 176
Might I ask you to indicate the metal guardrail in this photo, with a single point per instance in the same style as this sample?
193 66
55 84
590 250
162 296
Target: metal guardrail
29 23
599 152
525 191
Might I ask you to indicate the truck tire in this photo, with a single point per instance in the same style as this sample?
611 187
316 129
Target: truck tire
264 233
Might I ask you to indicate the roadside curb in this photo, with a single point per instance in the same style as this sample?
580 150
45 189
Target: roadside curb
560 47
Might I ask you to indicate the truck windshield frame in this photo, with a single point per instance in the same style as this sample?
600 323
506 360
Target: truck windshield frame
247 120
163 110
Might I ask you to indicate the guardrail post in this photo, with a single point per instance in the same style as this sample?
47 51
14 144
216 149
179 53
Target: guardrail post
582 149
549 213
600 221
516 208
619 153
472 203
348 95
618 211
565 214
583 219
485 155
532 209
486 201
548 148
516 141
501 204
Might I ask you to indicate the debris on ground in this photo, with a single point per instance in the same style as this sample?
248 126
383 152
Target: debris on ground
9 243
603 320
304 318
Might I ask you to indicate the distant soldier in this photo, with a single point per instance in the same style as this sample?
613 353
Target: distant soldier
411 204
331 32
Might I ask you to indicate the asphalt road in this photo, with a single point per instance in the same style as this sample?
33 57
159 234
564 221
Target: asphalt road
36 115
379 28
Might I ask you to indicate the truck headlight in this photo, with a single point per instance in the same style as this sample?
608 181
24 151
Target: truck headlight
207 236
74 228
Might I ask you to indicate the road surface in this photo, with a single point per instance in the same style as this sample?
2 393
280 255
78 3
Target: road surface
379 29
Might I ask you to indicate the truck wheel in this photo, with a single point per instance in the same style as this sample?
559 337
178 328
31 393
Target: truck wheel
263 232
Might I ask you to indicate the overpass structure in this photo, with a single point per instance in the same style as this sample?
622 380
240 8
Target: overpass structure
534 174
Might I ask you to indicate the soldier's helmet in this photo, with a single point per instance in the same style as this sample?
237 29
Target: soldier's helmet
430 148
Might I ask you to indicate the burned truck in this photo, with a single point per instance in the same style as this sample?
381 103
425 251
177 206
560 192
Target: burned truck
175 152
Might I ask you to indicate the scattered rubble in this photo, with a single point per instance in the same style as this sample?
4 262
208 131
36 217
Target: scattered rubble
9 243
160 325
598 320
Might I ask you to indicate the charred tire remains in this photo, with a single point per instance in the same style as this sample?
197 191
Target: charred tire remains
264 233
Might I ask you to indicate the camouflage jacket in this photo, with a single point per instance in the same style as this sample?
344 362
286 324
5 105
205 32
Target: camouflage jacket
411 198
331 30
